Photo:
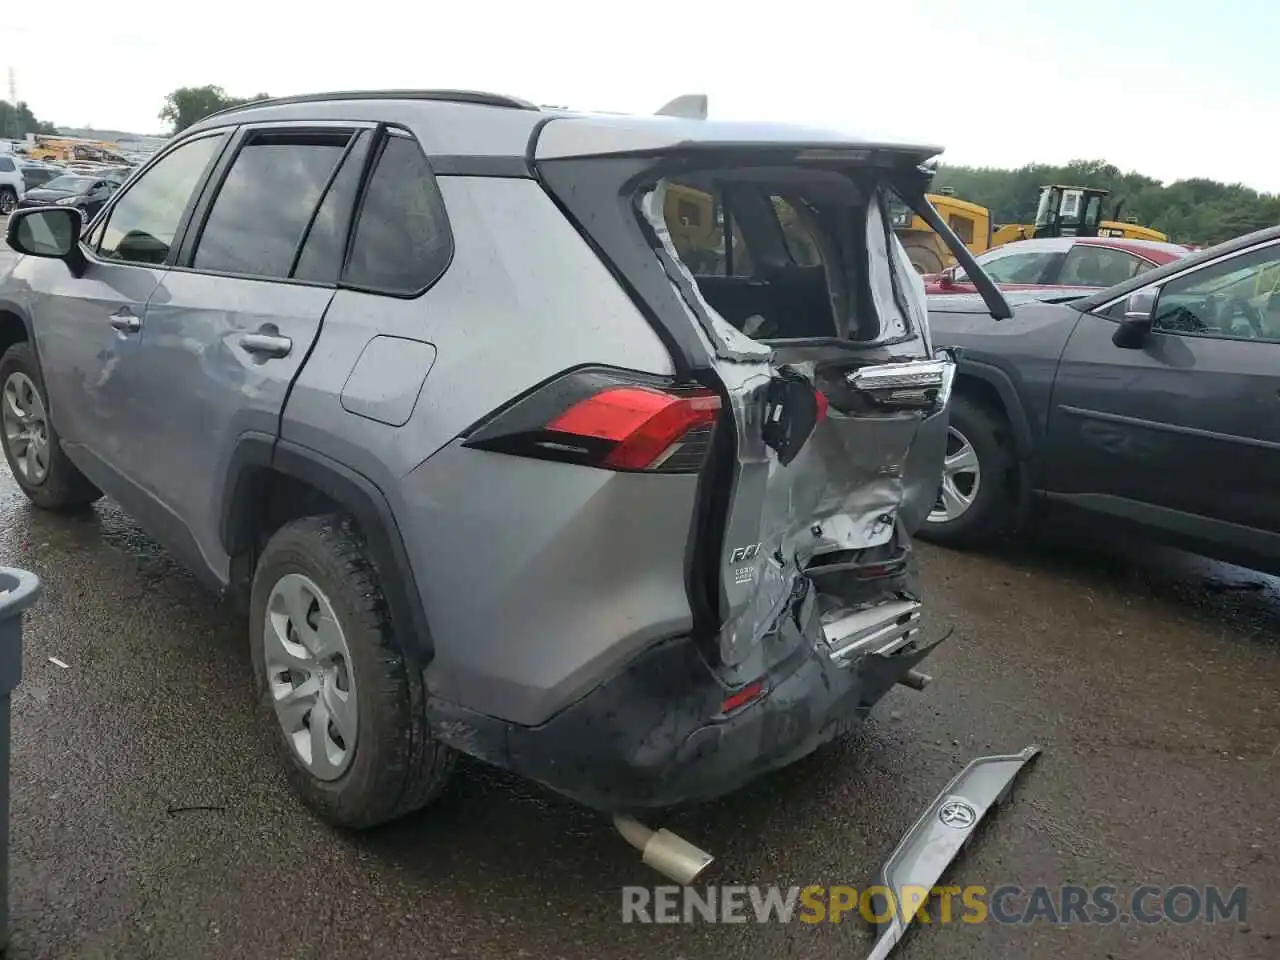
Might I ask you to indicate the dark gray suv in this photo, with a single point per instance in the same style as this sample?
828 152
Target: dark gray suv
590 446
1149 409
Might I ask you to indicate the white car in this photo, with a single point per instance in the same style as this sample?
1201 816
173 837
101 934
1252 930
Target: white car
12 186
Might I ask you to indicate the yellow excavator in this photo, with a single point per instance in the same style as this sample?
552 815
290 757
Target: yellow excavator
1066 211
1063 211
927 251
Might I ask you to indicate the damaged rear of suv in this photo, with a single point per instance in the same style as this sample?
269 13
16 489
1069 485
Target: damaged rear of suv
589 446
806 413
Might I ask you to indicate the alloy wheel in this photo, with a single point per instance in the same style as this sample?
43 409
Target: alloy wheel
310 676
961 479
25 427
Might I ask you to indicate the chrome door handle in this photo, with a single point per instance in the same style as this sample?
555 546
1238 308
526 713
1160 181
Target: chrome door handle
124 321
266 344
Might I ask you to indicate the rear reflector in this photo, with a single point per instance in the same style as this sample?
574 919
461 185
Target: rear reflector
596 418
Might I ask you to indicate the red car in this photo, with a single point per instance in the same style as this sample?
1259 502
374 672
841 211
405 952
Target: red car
1060 263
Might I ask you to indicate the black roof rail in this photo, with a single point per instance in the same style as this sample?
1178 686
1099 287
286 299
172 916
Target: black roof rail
477 97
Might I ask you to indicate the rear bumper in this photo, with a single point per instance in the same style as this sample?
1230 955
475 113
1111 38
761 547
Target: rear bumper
652 735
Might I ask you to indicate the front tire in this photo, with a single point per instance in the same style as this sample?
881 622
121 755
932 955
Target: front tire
31 445
346 706
976 501
8 201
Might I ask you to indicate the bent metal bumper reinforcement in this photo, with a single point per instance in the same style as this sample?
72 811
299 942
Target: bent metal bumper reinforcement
880 629
928 848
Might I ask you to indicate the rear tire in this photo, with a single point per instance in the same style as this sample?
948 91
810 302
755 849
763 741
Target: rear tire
980 436
923 259
52 481
392 764
8 201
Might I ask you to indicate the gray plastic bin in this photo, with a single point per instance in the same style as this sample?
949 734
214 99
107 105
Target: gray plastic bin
18 590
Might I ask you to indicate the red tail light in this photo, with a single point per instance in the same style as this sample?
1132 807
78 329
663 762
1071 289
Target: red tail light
646 425
596 418
752 691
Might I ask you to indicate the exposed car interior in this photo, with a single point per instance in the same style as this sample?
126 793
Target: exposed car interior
787 269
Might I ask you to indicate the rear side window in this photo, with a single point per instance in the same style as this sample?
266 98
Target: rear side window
7 165
323 249
402 242
142 224
1035 267
266 203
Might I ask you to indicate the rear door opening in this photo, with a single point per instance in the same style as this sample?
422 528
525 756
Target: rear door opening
776 277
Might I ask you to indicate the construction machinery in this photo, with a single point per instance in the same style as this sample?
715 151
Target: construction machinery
65 149
926 250
1067 211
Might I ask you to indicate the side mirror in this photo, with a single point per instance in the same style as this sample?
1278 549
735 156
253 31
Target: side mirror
1138 312
52 232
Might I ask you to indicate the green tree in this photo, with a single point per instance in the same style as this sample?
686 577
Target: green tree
1198 210
17 120
188 105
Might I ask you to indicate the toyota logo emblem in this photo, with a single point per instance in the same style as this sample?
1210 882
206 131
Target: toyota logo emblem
957 814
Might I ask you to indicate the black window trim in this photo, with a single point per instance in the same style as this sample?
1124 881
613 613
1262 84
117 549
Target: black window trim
108 209
352 142
384 134
208 192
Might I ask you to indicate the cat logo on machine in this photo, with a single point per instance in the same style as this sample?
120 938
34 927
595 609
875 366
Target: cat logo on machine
743 554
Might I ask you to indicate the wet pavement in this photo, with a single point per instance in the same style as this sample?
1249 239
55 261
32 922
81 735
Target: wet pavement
149 819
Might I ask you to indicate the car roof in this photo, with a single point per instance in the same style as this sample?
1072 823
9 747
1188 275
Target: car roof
1143 248
474 123
1176 266
1148 249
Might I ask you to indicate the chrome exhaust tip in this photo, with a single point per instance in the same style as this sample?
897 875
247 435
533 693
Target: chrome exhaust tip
672 856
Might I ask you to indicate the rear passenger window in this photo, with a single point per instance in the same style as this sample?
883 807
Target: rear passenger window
402 242
801 246
322 251
266 202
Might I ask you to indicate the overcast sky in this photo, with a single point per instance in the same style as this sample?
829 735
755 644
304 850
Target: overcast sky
1173 88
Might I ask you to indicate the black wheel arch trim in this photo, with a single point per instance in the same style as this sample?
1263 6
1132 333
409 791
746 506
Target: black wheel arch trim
255 454
8 306
999 381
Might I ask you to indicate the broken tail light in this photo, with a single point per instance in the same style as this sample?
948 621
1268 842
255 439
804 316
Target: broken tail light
608 419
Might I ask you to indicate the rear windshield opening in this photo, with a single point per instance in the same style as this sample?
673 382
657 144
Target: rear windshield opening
790 253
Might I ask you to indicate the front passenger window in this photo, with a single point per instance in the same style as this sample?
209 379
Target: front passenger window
142 225
1238 298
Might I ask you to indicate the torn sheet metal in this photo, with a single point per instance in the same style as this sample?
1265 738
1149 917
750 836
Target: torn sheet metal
846 485
726 340
928 848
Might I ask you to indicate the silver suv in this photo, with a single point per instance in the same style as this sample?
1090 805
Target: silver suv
589 446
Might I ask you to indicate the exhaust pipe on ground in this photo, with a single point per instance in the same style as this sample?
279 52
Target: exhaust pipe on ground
915 680
673 857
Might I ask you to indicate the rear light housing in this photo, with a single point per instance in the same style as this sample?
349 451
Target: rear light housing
612 419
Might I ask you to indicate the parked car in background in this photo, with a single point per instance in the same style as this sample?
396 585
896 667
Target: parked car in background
1150 408
12 184
1061 262
37 173
538 488
86 194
